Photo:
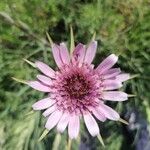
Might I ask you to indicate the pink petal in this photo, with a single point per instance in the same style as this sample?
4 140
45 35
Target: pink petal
44 79
45 69
38 86
111 73
43 104
90 53
91 124
63 122
49 111
107 63
108 112
53 119
73 127
114 96
99 115
57 56
79 53
111 84
123 77
64 53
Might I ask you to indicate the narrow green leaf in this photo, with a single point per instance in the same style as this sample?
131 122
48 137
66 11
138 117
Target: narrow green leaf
57 141
7 17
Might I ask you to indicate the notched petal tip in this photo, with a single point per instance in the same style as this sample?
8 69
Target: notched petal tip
45 69
73 127
109 112
38 86
91 124
90 52
63 122
114 57
107 63
62 43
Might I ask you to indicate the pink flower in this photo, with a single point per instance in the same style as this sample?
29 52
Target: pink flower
78 90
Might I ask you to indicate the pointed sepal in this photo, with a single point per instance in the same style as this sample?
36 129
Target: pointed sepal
123 121
29 113
72 45
131 95
30 63
49 38
45 132
20 80
101 140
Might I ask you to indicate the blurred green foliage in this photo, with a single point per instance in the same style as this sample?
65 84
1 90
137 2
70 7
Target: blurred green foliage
122 27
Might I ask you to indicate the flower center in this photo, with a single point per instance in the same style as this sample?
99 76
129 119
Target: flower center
77 86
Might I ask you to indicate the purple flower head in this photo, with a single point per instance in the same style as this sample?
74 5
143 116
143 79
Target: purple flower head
78 90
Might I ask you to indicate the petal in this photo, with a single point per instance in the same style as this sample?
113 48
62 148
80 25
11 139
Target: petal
49 111
91 124
38 86
73 127
90 53
45 69
53 119
111 73
107 63
44 79
63 122
123 77
111 84
79 53
108 112
57 56
99 115
43 104
114 96
64 53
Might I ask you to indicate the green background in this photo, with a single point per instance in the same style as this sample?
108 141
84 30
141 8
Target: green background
122 27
